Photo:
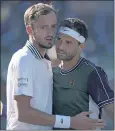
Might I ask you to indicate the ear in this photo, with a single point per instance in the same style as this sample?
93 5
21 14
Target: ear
29 30
82 46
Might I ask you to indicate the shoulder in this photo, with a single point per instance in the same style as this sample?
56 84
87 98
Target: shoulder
96 72
88 63
92 70
92 66
21 58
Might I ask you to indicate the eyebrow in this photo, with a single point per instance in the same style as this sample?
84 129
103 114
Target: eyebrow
47 25
43 25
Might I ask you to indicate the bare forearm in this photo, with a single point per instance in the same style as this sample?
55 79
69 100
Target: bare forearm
35 117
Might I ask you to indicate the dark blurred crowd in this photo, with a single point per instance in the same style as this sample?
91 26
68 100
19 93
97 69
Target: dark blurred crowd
98 16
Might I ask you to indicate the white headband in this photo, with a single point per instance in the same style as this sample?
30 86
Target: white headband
72 33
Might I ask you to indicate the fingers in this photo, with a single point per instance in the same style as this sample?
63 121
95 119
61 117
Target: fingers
98 125
87 113
93 126
96 120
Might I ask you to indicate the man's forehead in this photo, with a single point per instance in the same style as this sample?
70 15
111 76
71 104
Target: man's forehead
48 19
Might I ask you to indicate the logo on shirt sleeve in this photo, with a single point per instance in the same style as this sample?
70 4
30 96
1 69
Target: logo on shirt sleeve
22 82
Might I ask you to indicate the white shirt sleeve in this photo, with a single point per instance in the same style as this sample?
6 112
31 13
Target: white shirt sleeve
23 78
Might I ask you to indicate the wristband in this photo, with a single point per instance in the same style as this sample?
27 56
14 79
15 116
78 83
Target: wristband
62 121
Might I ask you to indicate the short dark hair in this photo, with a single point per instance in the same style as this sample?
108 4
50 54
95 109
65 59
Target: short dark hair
33 12
76 25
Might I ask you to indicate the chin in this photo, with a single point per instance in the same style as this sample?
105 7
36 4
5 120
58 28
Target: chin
61 57
46 46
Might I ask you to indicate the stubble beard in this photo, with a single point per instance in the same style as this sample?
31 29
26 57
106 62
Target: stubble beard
66 58
45 46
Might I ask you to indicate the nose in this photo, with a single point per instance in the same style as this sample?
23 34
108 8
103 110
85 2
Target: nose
61 45
50 32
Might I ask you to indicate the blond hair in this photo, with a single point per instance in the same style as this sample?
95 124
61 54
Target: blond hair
33 12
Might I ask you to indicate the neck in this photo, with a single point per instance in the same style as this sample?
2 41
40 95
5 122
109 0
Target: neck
71 63
41 50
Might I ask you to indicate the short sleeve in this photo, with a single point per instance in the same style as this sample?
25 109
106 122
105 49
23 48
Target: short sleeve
99 89
23 78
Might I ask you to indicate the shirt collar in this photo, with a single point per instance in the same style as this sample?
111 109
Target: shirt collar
34 50
65 72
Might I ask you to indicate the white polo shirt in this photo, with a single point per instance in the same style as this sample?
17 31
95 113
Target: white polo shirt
29 74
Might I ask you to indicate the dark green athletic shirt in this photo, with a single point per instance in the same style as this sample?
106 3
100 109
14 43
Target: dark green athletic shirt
72 88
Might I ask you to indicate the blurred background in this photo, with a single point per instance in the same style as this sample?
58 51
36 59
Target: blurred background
99 48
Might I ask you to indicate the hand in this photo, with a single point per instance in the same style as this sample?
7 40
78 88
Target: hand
81 121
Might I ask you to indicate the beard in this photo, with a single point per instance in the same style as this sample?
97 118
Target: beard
49 46
65 57
44 45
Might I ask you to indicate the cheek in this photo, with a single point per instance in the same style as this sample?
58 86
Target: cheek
40 32
39 35
73 50
57 43
76 50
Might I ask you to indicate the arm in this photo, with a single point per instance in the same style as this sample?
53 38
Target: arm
100 91
30 115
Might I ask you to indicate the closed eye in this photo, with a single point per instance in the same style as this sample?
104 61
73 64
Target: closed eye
68 42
